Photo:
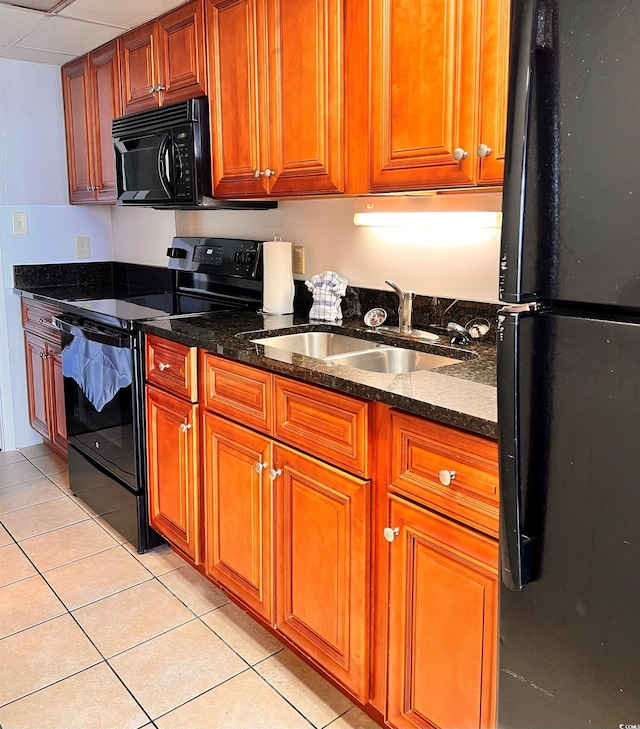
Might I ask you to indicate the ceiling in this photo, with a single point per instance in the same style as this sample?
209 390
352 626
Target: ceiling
57 31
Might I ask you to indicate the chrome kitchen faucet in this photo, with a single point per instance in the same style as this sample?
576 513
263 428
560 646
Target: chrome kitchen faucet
405 307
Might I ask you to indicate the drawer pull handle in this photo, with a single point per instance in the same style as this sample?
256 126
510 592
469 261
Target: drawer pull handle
446 477
273 474
162 366
44 321
390 534
260 466
184 427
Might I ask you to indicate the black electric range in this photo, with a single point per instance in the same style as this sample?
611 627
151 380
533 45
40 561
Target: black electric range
103 371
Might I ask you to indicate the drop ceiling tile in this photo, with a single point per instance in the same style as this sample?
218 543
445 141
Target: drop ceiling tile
43 5
65 35
35 56
119 12
15 23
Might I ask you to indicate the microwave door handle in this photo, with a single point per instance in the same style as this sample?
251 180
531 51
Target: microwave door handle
164 166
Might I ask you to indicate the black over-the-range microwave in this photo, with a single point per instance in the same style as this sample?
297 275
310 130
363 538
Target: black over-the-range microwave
163 160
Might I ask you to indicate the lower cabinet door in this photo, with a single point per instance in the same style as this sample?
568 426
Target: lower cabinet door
38 384
442 622
322 573
238 512
58 419
172 453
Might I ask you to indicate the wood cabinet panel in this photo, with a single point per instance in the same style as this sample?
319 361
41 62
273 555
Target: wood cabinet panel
104 78
37 384
173 466
77 100
326 424
138 59
442 622
238 512
58 415
239 392
38 318
421 449
306 96
423 93
322 572
172 366
494 77
277 74
181 53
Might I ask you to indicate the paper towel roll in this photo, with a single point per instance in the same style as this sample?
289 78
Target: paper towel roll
278 278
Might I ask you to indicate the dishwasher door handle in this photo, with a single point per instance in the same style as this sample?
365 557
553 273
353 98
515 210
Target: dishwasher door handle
85 330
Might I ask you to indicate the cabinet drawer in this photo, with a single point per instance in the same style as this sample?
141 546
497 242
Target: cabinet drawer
325 424
239 392
450 470
38 318
172 366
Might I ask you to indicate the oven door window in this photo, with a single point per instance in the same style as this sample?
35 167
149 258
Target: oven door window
99 404
145 168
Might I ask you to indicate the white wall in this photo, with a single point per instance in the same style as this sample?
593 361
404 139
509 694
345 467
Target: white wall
454 262
33 179
142 235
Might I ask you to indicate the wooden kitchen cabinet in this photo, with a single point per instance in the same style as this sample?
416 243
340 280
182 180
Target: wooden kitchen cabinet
438 91
238 507
276 89
163 62
45 384
91 92
443 591
322 565
173 470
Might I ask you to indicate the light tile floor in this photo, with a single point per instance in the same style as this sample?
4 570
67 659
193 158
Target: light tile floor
94 635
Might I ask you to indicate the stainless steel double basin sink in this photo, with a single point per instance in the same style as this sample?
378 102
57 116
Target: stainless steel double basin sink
361 354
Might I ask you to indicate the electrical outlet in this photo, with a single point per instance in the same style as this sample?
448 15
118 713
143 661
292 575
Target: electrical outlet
298 259
19 224
83 248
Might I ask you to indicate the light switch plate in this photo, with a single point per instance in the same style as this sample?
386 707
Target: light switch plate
19 224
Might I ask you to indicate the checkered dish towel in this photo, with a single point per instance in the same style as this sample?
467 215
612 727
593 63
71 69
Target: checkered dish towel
327 289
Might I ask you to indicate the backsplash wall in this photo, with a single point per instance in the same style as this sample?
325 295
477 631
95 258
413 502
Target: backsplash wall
451 263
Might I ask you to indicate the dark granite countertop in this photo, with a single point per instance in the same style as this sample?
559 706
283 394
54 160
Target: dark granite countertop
462 394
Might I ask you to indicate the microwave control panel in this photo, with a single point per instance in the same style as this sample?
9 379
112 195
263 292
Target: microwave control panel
183 161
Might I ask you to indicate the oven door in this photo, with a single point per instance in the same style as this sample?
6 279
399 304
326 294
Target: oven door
98 370
145 168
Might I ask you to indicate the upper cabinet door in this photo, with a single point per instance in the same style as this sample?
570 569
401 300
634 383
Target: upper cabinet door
181 54
494 75
138 60
423 71
75 88
238 131
306 96
104 75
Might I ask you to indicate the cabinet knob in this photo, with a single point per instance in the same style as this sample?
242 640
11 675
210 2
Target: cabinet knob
390 534
269 173
89 188
160 88
484 151
184 427
96 187
152 89
446 477
273 474
162 366
260 466
459 154
44 321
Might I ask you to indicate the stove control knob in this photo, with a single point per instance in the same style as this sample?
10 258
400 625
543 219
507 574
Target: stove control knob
176 252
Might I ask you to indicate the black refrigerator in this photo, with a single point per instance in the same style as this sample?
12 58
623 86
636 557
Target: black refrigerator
569 369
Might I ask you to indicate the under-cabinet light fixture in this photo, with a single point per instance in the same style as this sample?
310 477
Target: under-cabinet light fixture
442 210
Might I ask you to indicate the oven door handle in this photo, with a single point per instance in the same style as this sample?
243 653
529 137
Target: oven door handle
93 334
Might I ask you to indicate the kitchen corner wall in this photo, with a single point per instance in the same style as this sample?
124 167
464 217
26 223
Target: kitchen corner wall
33 179
456 262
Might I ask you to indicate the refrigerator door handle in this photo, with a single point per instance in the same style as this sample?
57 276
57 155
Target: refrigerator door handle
514 544
522 58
